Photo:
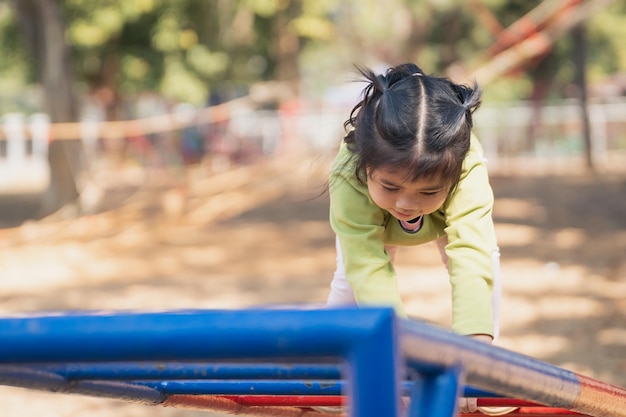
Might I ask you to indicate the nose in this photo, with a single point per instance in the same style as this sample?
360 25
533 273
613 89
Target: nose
407 202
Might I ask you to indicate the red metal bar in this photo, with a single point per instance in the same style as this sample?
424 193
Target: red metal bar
334 400
292 400
546 411
218 403
532 412
267 402
530 24
506 402
599 398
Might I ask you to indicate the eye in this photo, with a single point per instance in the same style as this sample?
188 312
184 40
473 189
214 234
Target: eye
389 189
430 193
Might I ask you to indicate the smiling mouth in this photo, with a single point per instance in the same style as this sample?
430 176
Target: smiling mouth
404 215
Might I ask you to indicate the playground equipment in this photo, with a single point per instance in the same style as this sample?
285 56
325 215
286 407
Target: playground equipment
287 362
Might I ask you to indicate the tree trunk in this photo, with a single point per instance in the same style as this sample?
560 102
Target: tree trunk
537 101
44 30
287 49
580 59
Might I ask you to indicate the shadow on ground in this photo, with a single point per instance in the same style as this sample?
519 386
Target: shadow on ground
563 240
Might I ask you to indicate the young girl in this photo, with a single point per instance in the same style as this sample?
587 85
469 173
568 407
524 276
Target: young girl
408 172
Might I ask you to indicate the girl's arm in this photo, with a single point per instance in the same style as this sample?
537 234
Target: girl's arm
392 250
471 247
359 226
441 245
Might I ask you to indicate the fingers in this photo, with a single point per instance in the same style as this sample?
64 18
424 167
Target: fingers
468 405
497 411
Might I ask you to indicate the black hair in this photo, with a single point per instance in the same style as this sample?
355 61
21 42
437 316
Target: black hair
413 122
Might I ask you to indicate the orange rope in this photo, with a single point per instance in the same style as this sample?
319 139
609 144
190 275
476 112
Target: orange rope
122 129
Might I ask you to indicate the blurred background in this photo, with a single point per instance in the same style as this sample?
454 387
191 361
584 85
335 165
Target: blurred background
164 154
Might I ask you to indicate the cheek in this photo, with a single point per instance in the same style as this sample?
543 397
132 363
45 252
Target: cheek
379 197
434 204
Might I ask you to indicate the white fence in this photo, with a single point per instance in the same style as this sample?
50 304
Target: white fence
24 161
516 130
552 131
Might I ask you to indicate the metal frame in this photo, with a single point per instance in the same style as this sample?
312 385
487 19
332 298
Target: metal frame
367 356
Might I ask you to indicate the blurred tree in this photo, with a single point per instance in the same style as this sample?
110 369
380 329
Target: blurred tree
15 71
43 29
190 50
545 25
580 58
123 48
606 33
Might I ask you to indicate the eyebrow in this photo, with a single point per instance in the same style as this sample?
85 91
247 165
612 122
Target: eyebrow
388 183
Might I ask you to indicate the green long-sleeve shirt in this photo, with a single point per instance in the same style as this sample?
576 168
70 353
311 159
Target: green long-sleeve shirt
465 218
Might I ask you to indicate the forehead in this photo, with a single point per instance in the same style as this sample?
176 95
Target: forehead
404 178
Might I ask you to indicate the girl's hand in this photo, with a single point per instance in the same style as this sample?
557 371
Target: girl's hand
467 405
470 405
482 338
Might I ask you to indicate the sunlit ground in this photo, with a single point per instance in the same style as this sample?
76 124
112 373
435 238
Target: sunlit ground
261 237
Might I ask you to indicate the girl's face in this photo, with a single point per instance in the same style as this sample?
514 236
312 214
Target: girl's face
404 199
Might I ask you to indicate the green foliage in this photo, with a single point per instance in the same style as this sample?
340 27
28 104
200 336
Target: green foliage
16 69
607 33
506 89
187 49
181 84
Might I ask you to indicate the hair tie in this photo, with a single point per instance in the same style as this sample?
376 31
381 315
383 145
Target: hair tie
416 74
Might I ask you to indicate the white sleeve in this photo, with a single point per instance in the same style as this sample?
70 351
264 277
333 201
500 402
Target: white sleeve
341 293
496 295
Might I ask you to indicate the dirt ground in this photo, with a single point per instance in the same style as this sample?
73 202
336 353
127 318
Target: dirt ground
258 236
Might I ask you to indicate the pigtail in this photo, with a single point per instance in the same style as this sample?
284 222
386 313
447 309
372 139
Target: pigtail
382 93
470 100
373 91
470 97
366 96
396 111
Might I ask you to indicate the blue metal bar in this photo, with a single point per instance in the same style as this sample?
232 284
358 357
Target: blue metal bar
375 346
489 367
189 335
25 377
178 370
435 395
366 338
117 389
474 392
243 387
273 387
509 373
250 379
263 379
376 369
